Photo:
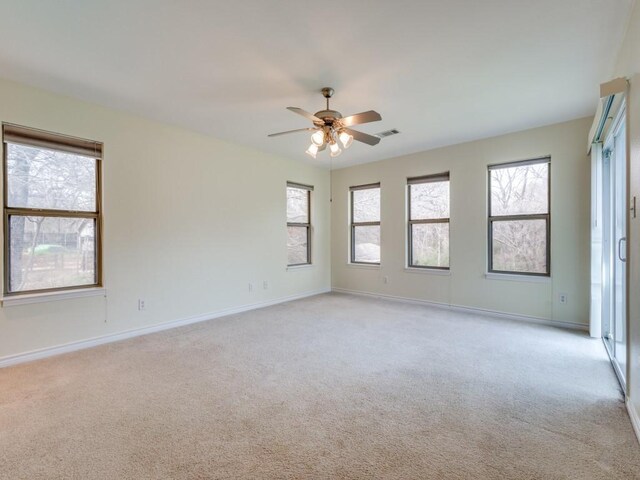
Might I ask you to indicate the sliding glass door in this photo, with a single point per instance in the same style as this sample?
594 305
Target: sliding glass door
614 198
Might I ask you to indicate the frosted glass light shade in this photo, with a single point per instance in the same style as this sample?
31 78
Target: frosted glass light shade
334 150
318 138
312 151
346 139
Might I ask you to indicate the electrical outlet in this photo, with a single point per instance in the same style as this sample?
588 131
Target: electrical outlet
385 279
141 305
562 297
250 287
265 285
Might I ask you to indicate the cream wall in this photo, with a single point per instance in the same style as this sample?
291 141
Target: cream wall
189 221
467 285
628 65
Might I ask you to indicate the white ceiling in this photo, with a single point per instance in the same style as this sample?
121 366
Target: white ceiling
441 72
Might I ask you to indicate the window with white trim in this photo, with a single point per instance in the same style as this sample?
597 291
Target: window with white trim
428 221
52 215
298 224
365 224
519 217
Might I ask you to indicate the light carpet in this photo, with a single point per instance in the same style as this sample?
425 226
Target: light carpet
333 386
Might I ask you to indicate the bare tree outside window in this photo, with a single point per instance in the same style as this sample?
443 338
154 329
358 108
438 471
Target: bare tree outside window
428 205
298 224
365 224
519 217
52 214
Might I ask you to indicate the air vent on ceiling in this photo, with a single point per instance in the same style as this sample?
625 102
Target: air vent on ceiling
387 133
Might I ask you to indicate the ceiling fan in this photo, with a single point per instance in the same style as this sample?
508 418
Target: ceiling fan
330 126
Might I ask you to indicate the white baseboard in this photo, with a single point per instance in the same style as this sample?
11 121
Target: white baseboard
136 332
462 308
635 419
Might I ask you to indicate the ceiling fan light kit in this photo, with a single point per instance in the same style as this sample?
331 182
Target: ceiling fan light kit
330 127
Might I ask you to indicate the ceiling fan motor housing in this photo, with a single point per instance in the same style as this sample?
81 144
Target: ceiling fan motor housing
328 117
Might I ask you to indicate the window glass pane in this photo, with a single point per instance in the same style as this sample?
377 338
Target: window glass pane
297 205
520 246
520 190
429 200
366 205
297 245
430 244
366 241
51 252
39 178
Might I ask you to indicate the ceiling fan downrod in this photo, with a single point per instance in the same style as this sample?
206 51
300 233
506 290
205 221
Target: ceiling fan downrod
327 92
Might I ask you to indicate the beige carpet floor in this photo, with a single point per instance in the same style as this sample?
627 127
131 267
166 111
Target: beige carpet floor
333 386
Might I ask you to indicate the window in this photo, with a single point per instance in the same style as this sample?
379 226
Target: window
519 197
298 224
428 213
365 224
51 211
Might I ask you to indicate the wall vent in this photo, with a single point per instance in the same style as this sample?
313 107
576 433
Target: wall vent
387 133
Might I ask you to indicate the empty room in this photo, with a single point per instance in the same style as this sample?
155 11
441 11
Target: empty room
320 240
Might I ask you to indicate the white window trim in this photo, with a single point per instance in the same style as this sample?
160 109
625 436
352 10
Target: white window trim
364 266
518 277
300 267
30 298
428 271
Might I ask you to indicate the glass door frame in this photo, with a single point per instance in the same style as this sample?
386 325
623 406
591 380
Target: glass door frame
613 248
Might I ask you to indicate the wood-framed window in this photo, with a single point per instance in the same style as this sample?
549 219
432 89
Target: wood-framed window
365 223
519 217
428 221
298 224
52 214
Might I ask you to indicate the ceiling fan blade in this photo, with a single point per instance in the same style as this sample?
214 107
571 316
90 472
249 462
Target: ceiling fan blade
305 114
291 131
363 137
360 118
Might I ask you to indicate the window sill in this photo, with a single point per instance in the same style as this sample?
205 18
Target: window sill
299 267
53 296
515 277
427 271
365 266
